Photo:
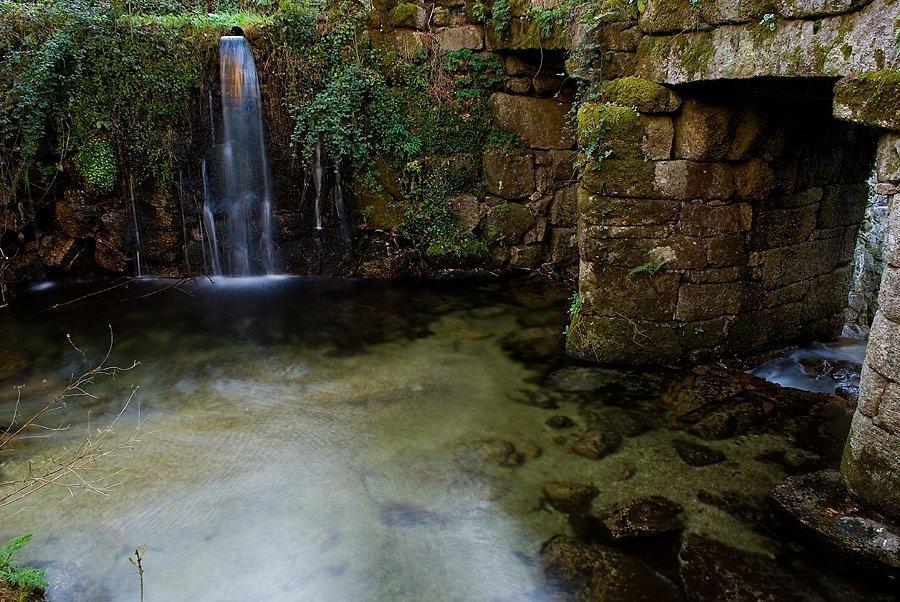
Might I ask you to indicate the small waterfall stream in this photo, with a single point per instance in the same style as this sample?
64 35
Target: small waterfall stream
238 187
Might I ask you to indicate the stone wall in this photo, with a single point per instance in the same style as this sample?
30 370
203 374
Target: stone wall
871 464
720 199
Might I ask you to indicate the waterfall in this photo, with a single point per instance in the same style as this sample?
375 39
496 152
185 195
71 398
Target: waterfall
138 245
209 227
318 173
245 187
339 207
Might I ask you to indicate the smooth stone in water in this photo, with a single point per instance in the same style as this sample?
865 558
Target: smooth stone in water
821 504
560 422
578 379
537 399
695 454
569 498
643 517
534 344
596 443
627 423
592 572
481 452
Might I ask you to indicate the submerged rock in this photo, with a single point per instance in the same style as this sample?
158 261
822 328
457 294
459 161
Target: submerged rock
713 571
695 454
819 502
481 452
650 516
537 399
569 498
579 379
750 509
592 572
534 344
597 443
560 422
11 363
627 423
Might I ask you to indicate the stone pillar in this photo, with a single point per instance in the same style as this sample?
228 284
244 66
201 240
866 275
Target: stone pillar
871 465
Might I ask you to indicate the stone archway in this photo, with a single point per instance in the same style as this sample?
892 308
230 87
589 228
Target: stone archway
716 224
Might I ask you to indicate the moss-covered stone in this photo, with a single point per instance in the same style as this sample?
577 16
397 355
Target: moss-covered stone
642 94
612 130
621 177
405 14
507 223
872 98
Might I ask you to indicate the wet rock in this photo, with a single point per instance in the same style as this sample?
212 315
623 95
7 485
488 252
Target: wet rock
57 251
713 402
400 514
695 454
597 443
569 498
592 572
579 379
560 422
533 450
819 502
537 399
534 344
643 517
481 452
11 363
711 570
625 422
488 311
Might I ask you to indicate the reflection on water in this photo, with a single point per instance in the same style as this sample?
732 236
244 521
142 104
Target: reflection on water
339 440
820 368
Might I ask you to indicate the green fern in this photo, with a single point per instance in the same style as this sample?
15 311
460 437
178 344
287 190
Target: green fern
25 578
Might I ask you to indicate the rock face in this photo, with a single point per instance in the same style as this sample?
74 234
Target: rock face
713 571
538 123
821 504
643 517
591 572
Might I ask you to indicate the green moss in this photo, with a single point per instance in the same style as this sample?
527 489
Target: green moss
694 54
872 98
644 95
96 162
606 130
404 15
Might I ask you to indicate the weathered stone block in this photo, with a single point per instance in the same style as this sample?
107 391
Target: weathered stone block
507 174
613 211
564 246
563 165
883 352
467 37
887 159
641 94
468 209
783 227
612 291
800 9
753 180
782 266
704 131
564 208
656 140
842 205
666 16
623 177
708 301
872 98
526 256
691 180
507 223
538 123
750 132
871 464
704 220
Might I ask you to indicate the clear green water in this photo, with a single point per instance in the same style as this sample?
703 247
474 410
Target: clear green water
305 440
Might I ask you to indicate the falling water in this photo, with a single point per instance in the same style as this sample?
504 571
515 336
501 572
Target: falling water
138 270
339 206
246 186
318 173
209 226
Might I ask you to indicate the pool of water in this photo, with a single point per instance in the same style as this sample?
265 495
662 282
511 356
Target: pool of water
333 440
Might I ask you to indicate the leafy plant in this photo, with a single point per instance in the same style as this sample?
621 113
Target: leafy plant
27 579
